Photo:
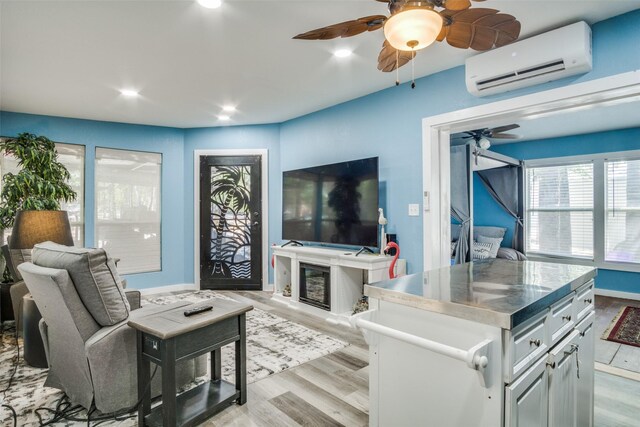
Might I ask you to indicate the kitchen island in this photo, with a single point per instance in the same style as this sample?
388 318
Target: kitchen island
489 343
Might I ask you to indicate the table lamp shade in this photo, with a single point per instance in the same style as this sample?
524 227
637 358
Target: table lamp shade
33 227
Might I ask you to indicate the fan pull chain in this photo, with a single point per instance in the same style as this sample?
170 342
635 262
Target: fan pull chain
413 70
397 67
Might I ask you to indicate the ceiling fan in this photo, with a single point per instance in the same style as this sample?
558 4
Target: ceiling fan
482 137
414 25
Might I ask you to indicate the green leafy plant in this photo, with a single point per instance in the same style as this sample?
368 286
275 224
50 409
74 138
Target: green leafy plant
41 183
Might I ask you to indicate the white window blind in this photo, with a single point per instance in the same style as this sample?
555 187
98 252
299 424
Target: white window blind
560 210
128 208
622 216
72 157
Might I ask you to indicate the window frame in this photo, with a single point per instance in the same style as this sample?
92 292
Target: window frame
160 202
527 209
599 208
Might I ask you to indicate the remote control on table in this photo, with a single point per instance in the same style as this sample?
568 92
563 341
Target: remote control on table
197 310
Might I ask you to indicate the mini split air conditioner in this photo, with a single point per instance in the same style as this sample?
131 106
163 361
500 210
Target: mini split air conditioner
547 57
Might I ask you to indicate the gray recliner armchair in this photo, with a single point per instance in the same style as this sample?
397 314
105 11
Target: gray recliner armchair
91 363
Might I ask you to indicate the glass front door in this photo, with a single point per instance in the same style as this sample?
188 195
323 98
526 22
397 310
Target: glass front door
230 222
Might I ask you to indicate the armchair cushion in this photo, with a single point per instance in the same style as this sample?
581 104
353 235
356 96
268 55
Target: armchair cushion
94 275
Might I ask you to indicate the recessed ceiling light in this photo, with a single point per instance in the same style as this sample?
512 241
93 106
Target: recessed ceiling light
342 53
224 117
130 93
229 108
210 4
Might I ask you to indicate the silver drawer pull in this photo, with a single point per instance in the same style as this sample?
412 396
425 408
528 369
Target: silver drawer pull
567 318
535 342
588 300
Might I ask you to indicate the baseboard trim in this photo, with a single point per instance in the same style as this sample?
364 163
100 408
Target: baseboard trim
619 372
169 288
617 294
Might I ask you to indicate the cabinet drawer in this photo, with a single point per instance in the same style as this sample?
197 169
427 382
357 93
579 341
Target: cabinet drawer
584 302
526 345
561 319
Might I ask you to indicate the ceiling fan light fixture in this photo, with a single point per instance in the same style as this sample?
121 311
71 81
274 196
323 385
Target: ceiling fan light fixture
413 29
484 143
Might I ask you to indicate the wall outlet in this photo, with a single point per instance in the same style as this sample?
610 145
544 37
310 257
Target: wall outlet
414 209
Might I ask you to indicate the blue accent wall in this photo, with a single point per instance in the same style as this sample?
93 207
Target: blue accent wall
92 134
387 124
593 143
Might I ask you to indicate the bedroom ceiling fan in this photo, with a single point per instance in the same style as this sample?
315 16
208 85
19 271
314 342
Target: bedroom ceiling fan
482 137
414 25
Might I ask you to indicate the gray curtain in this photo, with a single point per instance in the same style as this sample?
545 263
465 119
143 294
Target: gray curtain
502 184
460 209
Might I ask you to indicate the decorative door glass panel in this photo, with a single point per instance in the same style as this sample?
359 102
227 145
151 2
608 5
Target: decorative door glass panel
231 216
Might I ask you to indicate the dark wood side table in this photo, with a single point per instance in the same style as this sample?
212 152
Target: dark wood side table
6 309
170 337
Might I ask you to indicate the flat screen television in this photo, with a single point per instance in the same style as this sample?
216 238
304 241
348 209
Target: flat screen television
334 204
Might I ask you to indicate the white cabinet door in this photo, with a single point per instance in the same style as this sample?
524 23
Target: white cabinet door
526 398
584 398
563 381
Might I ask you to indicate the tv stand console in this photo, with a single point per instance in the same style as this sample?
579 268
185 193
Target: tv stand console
347 275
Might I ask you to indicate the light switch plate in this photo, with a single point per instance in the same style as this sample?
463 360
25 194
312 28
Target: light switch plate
414 209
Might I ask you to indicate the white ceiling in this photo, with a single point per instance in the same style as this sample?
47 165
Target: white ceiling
71 58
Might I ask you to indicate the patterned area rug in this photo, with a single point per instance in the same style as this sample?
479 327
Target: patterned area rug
273 345
625 327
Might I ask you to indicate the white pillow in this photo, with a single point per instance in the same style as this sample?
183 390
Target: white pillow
495 244
481 250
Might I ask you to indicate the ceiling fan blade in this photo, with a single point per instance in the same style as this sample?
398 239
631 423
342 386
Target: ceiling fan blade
505 136
345 29
506 128
445 28
481 29
457 4
387 58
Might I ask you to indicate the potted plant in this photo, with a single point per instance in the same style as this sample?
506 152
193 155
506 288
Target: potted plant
41 184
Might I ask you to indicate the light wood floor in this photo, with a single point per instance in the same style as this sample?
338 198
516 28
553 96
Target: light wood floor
333 390
611 353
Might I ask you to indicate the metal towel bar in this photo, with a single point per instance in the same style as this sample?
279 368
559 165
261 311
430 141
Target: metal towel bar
475 357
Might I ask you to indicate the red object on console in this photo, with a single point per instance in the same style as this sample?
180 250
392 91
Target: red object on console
273 258
395 258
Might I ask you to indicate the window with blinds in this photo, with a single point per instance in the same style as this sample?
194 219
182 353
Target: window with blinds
72 156
622 211
128 208
560 210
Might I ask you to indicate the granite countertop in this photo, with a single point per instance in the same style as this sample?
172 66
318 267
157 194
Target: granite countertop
496 292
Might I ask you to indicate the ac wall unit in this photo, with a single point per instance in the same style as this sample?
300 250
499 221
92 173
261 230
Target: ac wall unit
544 58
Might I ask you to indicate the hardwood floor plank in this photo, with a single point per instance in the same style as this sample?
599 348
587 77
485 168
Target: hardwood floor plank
348 361
302 412
322 399
330 376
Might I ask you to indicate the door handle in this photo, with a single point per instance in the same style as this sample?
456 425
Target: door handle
256 223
